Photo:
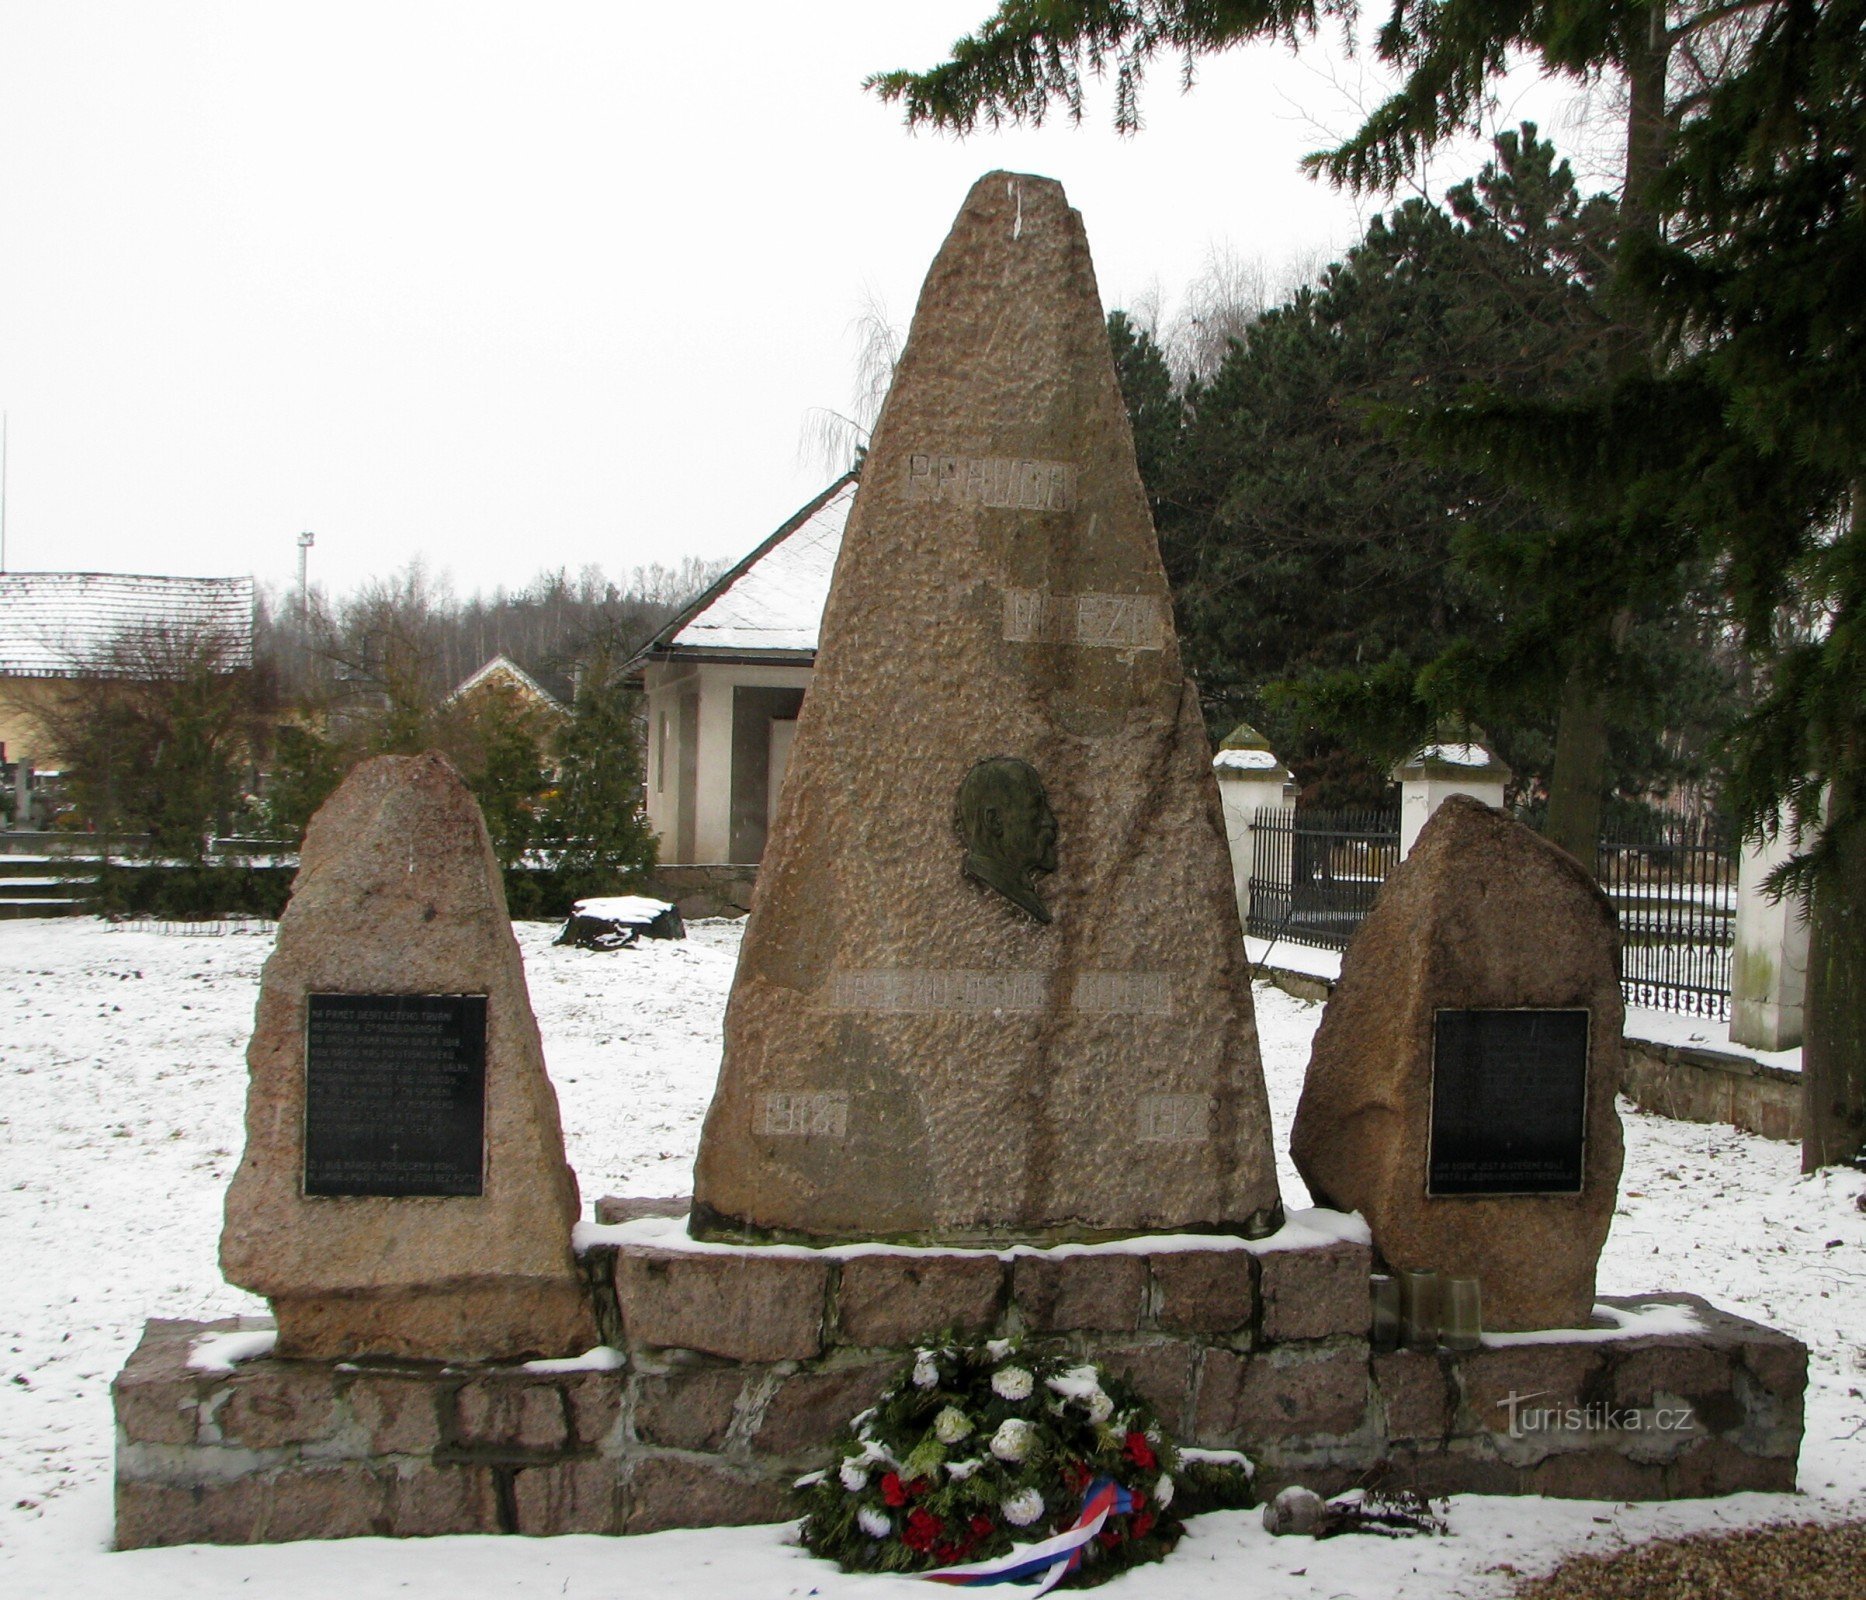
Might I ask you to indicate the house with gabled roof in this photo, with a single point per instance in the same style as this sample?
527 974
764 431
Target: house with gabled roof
502 672
724 682
58 627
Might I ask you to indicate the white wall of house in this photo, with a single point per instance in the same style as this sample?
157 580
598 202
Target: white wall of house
691 739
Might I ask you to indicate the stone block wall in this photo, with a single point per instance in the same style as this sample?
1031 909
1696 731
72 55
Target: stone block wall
732 1368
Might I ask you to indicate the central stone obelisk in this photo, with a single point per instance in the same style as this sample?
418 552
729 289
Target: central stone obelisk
993 988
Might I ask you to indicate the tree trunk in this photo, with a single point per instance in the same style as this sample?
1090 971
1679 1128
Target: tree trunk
1580 771
1833 1049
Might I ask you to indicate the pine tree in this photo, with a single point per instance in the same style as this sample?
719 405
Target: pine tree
1325 592
1031 55
1757 287
595 817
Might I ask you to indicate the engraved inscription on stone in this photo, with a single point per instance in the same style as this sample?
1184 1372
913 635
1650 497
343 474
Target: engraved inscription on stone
996 481
1175 1118
804 1116
1124 994
1509 1102
985 992
1097 621
395 1094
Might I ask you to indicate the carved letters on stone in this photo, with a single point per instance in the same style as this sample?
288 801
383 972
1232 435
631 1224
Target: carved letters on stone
1175 1118
995 481
1096 621
923 992
804 1116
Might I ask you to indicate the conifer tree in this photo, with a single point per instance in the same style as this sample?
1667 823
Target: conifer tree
594 817
1032 55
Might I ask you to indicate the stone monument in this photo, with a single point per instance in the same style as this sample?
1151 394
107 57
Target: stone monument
993 988
1460 1092
403 1190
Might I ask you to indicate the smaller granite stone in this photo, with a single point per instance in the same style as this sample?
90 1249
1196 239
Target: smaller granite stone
399 894
1482 916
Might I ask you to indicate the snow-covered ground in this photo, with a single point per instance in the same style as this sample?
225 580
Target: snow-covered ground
121 1086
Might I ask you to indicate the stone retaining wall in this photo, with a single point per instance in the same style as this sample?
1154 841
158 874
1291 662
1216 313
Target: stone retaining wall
1710 1086
736 1366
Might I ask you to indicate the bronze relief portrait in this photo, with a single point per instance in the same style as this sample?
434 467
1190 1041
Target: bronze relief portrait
1004 818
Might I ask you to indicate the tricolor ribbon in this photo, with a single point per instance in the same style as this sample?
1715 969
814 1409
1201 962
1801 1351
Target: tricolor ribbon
1049 1560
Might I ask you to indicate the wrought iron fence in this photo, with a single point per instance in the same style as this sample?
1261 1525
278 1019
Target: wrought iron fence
1314 873
1673 882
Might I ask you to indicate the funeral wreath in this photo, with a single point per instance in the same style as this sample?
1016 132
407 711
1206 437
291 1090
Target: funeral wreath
977 1450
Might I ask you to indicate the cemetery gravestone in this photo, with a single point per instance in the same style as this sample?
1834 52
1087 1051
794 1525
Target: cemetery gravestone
1460 1092
403 1190
993 988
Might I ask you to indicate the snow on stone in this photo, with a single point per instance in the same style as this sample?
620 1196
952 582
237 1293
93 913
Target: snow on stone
222 1352
1301 1229
1456 755
121 1058
775 600
53 624
1626 1322
1245 761
600 1358
635 909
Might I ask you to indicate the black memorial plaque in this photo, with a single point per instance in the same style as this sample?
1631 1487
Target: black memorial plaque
1509 1102
395 1094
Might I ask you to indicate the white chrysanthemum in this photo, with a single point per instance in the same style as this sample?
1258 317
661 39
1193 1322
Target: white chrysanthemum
1163 1491
1023 1508
997 1349
951 1425
1012 1383
853 1475
1100 1407
876 1524
1012 1440
926 1370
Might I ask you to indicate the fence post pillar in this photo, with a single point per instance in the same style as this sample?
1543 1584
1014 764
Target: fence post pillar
1769 961
1455 761
1249 778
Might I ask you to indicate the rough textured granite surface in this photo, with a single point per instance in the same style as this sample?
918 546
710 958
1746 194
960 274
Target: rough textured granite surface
399 893
1484 914
912 1052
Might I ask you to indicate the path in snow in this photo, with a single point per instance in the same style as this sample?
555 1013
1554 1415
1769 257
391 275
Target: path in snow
121 1089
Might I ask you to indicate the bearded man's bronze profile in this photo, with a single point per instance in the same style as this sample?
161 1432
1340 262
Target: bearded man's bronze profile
1004 817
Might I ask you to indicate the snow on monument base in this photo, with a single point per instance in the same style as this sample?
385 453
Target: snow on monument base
728 1369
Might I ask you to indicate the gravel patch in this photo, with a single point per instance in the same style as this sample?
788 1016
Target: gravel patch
1788 1561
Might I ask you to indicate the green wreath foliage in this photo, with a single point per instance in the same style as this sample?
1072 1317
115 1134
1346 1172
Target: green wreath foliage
978 1448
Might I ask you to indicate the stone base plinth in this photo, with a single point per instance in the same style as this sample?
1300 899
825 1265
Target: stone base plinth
729 1368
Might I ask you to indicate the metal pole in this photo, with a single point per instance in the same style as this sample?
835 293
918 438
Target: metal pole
305 541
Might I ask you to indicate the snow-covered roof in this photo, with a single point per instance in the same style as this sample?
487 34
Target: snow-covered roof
504 667
772 601
55 624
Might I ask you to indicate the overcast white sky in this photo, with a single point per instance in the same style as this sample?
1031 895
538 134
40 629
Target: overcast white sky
516 286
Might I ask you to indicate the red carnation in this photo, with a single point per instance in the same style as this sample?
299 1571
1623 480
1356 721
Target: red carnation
917 1488
922 1529
1138 1451
1110 1537
1076 1476
892 1490
1143 1525
981 1526
1137 1498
